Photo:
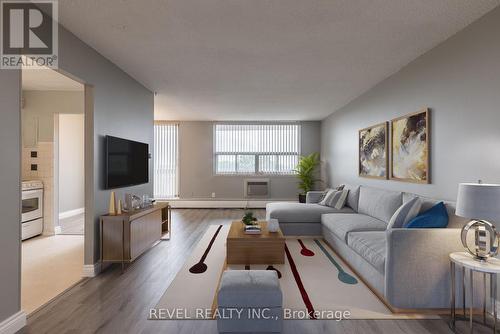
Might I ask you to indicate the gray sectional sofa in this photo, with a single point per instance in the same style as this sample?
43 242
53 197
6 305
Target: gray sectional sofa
409 268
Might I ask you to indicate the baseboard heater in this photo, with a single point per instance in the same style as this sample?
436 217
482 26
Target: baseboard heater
221 204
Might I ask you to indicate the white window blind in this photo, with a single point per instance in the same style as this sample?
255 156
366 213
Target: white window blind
166 180
256 148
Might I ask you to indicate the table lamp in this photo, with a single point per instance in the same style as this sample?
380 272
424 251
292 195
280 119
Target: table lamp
480 203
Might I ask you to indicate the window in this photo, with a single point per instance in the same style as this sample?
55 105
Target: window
166 180
256 148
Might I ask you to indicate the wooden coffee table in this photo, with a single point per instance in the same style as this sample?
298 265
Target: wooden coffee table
265 248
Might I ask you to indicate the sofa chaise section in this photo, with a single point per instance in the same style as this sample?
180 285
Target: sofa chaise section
300 218
305 218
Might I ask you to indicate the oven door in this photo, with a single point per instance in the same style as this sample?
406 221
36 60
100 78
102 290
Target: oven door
32 205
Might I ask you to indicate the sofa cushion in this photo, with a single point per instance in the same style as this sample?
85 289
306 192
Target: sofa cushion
335 198
340 224
293 212
314 196
427 203
435 217
325 192
379 203
352 196
405 213
371 246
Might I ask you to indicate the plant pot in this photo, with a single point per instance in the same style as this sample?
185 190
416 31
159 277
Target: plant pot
302 198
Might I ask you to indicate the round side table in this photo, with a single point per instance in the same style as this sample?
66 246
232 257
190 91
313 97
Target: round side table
490 267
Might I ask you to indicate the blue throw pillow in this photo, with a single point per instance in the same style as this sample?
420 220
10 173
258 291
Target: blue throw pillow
435 217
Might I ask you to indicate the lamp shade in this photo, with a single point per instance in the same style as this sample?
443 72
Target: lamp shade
479 201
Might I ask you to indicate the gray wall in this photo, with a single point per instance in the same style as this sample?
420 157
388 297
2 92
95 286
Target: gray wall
10 196
460 82
122 108
197 180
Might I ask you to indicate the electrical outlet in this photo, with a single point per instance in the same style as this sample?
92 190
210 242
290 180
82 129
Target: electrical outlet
213 195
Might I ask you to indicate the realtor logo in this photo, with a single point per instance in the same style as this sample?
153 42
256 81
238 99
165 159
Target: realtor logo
29 34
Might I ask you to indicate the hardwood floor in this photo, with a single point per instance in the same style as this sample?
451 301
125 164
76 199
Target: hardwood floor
120 303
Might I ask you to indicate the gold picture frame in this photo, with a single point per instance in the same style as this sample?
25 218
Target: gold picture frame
410 148
373 151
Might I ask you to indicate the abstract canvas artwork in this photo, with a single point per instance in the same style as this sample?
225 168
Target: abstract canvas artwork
410 147
373 151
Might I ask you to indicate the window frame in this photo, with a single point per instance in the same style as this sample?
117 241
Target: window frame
257 155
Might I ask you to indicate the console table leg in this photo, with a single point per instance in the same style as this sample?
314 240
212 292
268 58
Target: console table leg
471 302
463 289
123 246
493 282
484 298
169 222
452 306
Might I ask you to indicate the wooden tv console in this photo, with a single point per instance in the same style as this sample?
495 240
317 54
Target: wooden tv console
126 236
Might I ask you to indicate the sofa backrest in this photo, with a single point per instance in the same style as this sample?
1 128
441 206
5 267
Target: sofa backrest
352 196
427 203
379 203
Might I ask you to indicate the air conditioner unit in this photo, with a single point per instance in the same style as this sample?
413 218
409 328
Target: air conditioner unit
256 188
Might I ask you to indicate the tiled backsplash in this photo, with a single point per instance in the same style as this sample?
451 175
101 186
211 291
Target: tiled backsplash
44 171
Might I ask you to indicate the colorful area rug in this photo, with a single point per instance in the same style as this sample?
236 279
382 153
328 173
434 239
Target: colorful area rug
315 282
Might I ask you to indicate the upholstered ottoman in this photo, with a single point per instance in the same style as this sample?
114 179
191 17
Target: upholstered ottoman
250 301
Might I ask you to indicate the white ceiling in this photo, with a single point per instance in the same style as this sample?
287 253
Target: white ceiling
263 59
46 79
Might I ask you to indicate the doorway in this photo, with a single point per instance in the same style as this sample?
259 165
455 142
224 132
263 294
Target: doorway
52 119
69 140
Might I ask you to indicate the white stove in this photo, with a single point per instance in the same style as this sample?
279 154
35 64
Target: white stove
31 185
32 209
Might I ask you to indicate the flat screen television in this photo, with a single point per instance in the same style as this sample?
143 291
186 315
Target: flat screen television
127 162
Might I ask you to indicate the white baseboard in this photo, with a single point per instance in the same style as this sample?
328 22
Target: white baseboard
91 270
13 323
71 213
223 204
57 230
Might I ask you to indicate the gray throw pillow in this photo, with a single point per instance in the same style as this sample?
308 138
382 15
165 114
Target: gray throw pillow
405 213
335 198
326 191
323 196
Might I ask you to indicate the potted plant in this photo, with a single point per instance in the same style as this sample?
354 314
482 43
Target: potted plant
248 218
306 171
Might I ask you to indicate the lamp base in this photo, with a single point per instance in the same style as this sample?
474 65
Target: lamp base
479 258
486 240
